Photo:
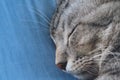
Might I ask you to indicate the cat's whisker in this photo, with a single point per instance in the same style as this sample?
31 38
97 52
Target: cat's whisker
39 14
42 15
90 72
95 70
28 21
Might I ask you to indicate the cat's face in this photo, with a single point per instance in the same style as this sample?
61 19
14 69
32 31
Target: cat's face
79 32
73 52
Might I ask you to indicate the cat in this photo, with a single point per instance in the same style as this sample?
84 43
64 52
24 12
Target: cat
87 38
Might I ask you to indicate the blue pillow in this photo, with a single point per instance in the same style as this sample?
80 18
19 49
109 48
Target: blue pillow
26 49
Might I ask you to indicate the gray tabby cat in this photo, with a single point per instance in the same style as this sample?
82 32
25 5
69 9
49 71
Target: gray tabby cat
87 38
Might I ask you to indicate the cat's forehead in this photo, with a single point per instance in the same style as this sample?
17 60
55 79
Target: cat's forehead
87 13
69 12
66 19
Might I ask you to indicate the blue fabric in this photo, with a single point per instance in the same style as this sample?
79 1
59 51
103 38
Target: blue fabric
26 49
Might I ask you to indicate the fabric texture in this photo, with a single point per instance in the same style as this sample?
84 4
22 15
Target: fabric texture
26 49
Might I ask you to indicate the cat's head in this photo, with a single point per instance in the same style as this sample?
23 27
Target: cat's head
81 31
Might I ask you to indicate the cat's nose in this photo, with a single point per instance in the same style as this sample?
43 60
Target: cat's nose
62 65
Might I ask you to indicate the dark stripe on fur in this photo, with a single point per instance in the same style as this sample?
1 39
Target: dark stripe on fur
71 19
112 71
116 46
56 18
58 10
63 25
64 6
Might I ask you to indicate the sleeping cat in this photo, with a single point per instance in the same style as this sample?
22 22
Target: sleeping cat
87 38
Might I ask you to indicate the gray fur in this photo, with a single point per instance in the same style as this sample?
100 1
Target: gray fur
88 30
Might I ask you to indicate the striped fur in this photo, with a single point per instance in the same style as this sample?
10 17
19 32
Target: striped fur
87 37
